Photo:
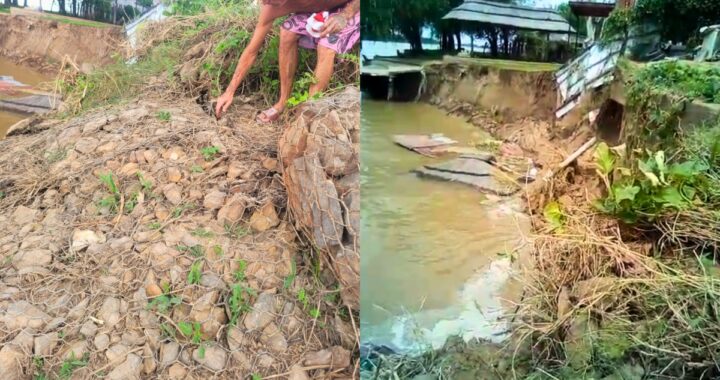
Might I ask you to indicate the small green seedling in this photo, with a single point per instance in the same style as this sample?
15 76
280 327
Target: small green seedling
164 302
218 250
195 273
209 152
163 116
240 272
180 210
239 301
236 232
195 250
71 364
287 283
203 233
196 169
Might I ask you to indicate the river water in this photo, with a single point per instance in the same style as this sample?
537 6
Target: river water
23 75
434 257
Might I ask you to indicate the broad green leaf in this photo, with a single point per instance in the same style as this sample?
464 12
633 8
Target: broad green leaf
604 159
671 197
625 192
554 215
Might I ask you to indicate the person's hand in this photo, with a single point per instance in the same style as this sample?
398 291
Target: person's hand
223 103
334 24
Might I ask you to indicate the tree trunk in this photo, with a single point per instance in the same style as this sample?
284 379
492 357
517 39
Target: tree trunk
411 32
459 40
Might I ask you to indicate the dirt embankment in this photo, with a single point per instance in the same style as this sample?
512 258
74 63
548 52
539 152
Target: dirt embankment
43 43
517 107
150 241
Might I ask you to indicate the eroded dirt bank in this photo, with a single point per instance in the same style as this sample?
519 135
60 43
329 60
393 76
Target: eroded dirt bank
43 44
149 241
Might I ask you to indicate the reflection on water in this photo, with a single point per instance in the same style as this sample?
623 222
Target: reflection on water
20 74
433 257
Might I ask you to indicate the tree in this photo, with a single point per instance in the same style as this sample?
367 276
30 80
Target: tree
577 22
678 20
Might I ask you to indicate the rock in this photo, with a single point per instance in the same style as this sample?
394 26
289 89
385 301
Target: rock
133 338
121 245
78 311
11 363
273 339
130 169
129 369
81 239
24 215
298 373
32 258
86 145
153 290
43 345
174 175
8 292
235 169
233 209
88 329
24 340
265 218
318 358
173 193
149 363
214 358
214 200
177 371
235 338
22 314
169 353
210 317
116 352
336 357
109 312
76 350
265 361
101 341
270 164
262 314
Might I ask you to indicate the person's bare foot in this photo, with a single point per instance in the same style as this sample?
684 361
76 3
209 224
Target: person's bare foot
269 115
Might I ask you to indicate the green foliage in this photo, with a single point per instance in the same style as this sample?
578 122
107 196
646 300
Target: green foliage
209 152
679 20
164 302
618 24
288 281
203 233
236 232
301 91
196 250
164 115
112 201
196 169
654 188
554 215
179 210
195 273
191 330
240 272
70 365
240 301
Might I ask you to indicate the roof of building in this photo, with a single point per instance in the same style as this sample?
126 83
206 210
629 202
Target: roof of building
514 16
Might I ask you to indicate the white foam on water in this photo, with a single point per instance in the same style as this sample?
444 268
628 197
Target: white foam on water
478 315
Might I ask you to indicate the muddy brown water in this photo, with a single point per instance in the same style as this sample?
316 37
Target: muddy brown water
435 257
20 74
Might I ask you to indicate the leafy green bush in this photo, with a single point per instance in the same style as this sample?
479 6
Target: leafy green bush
655 187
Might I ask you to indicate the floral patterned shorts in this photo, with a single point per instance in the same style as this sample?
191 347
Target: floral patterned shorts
340 42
